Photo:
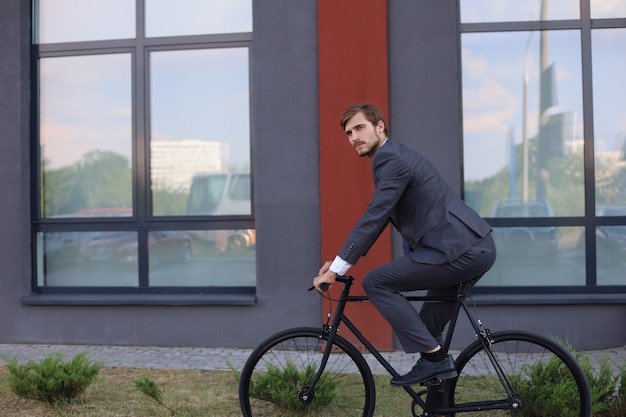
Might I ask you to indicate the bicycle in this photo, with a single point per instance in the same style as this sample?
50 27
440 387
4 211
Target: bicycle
315 371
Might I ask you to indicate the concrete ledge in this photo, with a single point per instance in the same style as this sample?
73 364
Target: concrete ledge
139 299
547 299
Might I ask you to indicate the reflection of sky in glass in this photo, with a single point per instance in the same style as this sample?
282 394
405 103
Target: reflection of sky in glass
609 89
192 17
85 104
493 85
517 10
80 20
609 104
607 8
202 94
473 11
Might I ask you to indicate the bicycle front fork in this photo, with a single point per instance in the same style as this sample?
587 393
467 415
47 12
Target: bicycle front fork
327 332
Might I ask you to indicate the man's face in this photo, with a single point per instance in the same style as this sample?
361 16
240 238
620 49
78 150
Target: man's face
364 137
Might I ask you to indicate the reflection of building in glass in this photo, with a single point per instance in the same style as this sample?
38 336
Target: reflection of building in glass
556 133
174 163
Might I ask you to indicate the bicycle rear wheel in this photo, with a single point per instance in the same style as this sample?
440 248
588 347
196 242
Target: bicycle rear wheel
545 378
281 368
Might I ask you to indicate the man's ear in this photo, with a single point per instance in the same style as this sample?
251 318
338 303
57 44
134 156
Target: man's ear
380 126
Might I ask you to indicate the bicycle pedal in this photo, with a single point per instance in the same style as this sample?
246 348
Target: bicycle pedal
431 383
438 379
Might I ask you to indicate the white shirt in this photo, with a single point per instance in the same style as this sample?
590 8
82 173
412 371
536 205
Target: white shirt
339 266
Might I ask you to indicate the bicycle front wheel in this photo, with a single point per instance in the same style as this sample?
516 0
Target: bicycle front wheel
544 378
280 370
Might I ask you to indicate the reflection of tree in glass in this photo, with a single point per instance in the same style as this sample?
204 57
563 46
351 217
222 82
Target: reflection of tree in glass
611 179
101 179
564 184
166 202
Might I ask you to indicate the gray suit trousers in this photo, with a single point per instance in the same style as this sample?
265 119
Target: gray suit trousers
421 332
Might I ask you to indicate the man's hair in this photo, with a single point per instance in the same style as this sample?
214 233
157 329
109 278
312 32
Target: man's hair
370 111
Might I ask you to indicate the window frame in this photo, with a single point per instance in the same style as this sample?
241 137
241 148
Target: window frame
605 293
141 221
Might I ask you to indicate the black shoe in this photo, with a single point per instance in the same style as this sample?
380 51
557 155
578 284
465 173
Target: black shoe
425 370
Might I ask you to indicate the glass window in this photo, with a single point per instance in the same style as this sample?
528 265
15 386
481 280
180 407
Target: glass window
522 123
80 20
177 258
515 10
609 105
143 167
525 145
200 130
85 135
537 256
87 259
217 194
611 253
182 258
197 17
607 9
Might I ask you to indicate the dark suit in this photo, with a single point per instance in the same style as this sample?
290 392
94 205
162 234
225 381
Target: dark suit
450 243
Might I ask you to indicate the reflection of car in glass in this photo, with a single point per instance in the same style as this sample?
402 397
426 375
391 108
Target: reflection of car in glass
218 194
611 240
61 248
232 240
221 194
236 240
163 246
536 242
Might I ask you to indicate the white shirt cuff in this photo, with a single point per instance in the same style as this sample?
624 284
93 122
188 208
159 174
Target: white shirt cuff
339 266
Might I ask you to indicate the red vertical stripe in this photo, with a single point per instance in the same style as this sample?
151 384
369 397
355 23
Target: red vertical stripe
352 39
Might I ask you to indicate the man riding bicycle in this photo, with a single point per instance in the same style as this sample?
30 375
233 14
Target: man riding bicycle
446 242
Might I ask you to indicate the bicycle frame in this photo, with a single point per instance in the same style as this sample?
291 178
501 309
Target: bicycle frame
431 404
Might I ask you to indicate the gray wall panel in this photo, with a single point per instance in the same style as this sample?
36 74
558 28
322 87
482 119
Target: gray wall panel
286 149
14 162
423 82
285 141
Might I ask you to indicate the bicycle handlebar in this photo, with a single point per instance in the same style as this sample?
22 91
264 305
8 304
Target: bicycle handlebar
340 278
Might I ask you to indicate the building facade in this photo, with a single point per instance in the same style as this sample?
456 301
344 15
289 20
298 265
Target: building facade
176 176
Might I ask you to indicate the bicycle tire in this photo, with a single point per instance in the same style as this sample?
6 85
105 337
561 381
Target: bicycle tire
539 369
268 385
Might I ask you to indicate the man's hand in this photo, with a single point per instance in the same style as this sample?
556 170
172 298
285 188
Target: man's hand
325 276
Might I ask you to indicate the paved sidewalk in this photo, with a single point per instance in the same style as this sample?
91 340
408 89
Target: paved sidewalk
134 356
203 358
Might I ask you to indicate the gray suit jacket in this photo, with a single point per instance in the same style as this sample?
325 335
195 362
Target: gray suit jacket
430 216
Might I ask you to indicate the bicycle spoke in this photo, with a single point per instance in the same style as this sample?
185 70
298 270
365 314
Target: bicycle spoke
535 368
276 375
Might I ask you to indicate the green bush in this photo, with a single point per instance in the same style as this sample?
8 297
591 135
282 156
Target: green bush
602 383
617 406
547 391
542 386
621 393
52 380
282 387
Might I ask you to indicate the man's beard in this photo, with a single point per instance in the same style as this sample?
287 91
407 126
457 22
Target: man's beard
371 147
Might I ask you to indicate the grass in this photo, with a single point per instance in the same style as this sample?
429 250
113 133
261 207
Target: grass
188 393
113 394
